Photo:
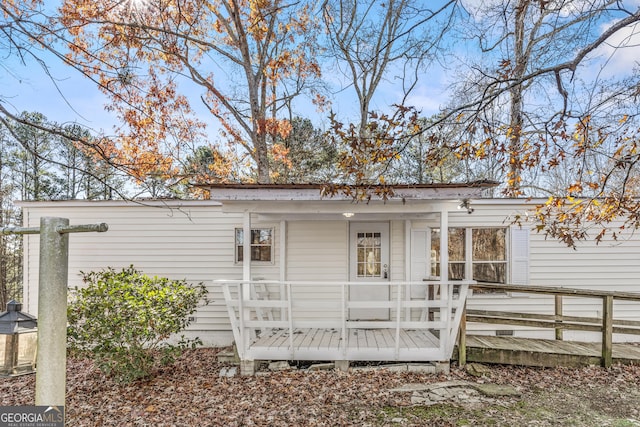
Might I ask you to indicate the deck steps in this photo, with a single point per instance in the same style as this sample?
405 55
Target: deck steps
228 356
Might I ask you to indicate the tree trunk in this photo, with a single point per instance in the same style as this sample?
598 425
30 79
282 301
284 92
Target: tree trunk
516 94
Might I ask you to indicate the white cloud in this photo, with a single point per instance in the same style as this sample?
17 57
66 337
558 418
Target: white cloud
621 52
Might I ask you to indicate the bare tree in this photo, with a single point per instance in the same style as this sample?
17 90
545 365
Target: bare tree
372 41
559 110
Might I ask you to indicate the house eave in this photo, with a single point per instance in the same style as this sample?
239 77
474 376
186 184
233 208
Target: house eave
322 193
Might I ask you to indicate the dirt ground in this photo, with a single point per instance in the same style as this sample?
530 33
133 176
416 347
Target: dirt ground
192 393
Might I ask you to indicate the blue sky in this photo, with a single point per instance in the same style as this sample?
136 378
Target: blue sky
66 96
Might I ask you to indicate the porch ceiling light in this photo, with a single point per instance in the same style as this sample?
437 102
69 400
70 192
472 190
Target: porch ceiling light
466 204
348 214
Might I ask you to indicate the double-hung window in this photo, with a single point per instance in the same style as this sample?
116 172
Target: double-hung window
261 242
474 253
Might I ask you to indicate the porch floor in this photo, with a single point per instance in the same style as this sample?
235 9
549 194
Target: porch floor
361 344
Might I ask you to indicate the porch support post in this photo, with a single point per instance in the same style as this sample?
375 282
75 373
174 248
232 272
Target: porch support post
407 265
283 264
444 279
246 252
245 294
283 250
444 246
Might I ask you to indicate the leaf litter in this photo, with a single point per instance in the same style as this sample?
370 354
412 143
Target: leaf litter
192 393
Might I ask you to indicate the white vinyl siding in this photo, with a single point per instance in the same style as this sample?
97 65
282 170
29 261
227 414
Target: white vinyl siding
178 242
609 265
317 250
195 240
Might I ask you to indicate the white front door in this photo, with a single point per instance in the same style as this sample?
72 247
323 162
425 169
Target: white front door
369 262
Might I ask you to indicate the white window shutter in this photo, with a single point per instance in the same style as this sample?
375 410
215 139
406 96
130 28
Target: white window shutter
520 255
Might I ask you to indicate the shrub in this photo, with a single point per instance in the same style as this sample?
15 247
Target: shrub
124 319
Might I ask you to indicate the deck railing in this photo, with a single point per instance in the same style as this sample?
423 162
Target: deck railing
607 325
257 307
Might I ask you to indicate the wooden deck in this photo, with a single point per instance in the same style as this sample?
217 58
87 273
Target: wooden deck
286 321
542 352
362 344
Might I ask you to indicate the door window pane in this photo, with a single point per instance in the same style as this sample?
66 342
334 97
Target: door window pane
369 254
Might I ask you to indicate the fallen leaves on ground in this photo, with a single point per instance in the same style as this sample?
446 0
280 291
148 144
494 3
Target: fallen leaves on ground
191 393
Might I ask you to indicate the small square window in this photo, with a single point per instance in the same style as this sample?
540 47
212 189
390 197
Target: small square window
261 244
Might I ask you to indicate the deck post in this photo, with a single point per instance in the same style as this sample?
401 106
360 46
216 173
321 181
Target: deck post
445 301
247 368
241 319
246 275
343 290
283 262
342 365
398 310
290 314
607 331
462 338
558 312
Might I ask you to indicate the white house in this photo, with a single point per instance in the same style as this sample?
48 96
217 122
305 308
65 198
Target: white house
325 278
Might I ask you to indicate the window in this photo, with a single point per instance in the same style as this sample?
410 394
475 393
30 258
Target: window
261 244
474 253
369 254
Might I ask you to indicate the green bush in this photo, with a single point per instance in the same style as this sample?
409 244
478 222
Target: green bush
124 319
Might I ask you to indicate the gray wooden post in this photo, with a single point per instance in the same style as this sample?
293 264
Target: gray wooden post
558 312
52 313
52 304
607 331
462 338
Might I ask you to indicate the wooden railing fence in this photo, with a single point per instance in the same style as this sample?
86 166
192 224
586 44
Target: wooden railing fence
606 324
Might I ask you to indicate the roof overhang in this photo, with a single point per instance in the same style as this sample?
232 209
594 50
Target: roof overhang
320 192
295 199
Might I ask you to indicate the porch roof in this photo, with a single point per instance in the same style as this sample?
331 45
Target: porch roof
333 192
305 199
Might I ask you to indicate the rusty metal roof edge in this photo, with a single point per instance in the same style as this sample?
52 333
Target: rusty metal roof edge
255 186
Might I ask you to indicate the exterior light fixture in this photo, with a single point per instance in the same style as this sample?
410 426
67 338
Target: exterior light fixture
348 214
466 204
18 341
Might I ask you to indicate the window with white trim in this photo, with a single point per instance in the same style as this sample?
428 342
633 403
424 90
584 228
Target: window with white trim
261 244
474 253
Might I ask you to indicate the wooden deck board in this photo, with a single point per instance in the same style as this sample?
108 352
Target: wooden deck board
428 337
362 344
405 341
389 336
358 338
308 338
272 337
325 342
372 339
543 352
336 340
